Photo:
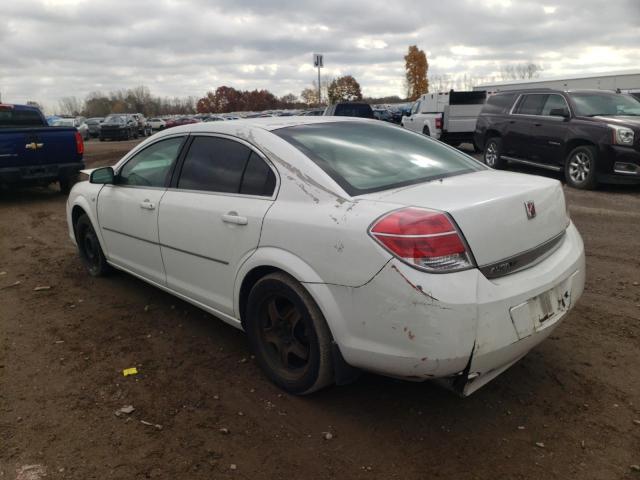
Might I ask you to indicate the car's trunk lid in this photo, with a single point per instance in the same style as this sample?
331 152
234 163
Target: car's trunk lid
492 209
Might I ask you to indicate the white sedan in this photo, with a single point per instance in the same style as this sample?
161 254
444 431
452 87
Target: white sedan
156 123
339 245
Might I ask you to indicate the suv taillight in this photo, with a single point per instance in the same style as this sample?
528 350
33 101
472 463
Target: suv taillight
79 144
425 239
439 123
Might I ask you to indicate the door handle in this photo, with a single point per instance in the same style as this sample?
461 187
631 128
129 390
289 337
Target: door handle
537 124
147 205
31 146
233 217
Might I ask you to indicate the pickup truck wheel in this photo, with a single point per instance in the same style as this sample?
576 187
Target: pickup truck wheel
425 131
580 167
66 183
89 247
289 335
492 153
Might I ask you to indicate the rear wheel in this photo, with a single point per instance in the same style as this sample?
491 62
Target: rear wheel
425 131
289 335
493 153
66 183
580 167
89 247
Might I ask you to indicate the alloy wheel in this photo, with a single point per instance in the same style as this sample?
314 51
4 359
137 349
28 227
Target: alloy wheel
491 154
284 335
579 167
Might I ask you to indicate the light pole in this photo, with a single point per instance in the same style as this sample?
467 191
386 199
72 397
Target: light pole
317 62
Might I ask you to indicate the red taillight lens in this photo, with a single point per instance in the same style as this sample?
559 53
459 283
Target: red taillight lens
79 143
425 239
439 123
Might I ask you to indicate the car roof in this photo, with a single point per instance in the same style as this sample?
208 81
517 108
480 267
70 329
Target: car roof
264 123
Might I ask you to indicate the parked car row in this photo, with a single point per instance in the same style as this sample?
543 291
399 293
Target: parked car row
589 136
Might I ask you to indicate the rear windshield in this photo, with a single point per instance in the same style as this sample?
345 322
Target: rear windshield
16 118
354 110
114 119
365 157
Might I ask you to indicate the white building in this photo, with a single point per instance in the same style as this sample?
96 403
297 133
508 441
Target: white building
627 81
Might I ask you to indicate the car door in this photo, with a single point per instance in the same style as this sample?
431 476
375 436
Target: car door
128 209
550 131
518 140
412 122
211 217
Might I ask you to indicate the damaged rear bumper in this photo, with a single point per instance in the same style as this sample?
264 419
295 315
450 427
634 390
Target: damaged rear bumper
461 327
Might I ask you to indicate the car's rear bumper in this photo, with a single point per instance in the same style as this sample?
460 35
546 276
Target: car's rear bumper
33 174
115 134
461 326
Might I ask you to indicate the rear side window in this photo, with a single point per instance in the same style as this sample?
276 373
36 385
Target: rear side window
531 104
225 166
258 178
500 103
20 118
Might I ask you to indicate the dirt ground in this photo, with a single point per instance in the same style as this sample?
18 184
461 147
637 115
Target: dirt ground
570 409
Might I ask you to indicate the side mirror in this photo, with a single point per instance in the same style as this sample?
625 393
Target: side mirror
102 176
559 112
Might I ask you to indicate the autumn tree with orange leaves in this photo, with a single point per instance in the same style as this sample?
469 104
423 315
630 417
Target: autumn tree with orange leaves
416 67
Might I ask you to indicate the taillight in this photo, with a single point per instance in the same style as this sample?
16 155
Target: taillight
425 239
79 144
439 123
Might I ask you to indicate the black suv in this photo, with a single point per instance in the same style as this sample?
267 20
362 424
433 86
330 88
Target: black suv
348 109
590 135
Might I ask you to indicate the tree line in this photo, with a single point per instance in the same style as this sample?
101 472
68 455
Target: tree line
226 99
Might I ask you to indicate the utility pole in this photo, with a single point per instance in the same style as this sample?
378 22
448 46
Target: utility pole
317 62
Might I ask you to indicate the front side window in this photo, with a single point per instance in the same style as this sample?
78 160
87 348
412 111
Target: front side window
221 165
554 102
367 157
531 104
152 166
416 107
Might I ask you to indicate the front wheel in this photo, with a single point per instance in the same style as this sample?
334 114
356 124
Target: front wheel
493 153
580 167
89 247
289 335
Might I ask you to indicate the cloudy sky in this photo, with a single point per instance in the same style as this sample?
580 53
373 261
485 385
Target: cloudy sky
57 48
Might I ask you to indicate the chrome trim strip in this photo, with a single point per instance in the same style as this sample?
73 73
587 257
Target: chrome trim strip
523 260
166 246
555 168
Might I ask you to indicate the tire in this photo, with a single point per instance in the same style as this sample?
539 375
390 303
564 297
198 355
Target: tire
425 131
580 167
289 335
89 247
492 153
66 183
101 139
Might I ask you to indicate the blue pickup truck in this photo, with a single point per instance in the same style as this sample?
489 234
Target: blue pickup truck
33 153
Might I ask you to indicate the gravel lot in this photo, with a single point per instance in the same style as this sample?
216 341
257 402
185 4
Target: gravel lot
570 409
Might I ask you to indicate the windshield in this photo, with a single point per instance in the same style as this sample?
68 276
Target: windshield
114 119
367 157
590 104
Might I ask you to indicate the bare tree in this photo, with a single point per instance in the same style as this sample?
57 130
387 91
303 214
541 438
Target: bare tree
70 106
